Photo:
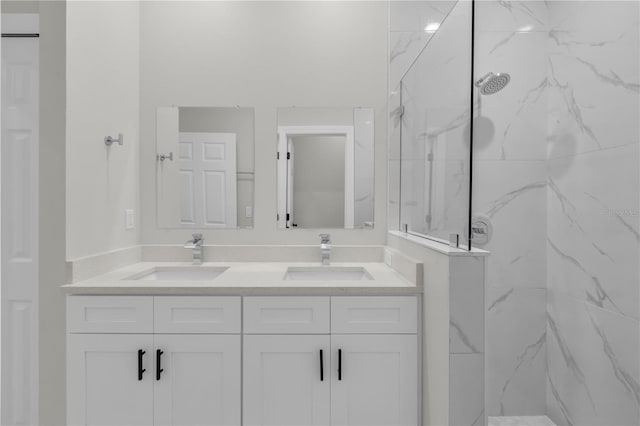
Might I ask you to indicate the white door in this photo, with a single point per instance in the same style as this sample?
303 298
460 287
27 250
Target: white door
283 381
374 380
20 100
200 381
106 384
207 163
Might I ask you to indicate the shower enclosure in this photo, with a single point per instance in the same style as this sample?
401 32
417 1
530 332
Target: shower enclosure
434 133
548 170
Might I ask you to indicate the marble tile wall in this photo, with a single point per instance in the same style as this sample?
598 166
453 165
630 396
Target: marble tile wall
509 188
466 341
593 239
412 23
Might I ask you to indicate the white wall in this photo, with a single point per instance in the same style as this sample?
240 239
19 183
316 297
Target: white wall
263 55
318 181
52 213
102 99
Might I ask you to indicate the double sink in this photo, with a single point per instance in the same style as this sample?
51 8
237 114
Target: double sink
204 273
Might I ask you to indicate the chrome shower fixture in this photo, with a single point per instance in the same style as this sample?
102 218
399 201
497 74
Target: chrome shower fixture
492 83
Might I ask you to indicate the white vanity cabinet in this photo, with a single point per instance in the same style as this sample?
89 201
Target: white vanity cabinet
283 383
102 379
286 377
200 384
145 360
374 358
178 360
330 361
374 380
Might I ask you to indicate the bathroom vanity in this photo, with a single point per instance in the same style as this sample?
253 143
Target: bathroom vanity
260 343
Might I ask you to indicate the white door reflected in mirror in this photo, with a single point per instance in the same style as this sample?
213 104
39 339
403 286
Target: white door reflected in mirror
325 169
204 167
320 171
207 163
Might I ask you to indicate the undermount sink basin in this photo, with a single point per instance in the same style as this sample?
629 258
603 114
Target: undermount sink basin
180 273
327 273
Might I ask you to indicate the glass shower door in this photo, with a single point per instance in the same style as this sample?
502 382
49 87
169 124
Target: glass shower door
435 139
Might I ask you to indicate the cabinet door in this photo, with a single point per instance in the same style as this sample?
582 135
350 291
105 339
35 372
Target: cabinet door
200 381
103 386
282 380
374 380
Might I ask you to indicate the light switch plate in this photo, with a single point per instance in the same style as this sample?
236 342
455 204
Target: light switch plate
248 211
129 219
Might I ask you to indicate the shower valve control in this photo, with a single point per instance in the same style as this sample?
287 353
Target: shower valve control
481 229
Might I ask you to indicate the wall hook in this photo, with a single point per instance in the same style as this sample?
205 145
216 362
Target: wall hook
162 157
108 140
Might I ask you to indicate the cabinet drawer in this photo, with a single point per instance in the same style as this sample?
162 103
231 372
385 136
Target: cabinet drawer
201 315
110 314
286 315
388 314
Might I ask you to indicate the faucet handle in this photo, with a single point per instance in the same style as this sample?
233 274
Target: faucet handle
325 238
197 237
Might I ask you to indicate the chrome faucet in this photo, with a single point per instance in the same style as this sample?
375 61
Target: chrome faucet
325 248
196 246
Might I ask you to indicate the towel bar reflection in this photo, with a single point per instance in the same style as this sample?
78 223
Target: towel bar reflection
162 157
110 140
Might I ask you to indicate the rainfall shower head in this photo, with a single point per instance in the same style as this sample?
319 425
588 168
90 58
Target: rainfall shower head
493 83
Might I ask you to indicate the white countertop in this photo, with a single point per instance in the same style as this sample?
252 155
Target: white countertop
243 278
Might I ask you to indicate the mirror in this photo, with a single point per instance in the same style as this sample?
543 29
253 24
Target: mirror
325 168
205 169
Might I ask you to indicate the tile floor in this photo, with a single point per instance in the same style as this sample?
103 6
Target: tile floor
521 421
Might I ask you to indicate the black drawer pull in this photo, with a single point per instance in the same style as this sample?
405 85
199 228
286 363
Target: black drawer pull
140 369
339 364
158 363
321 367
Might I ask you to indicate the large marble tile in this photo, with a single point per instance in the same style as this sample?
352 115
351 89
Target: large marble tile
515 351
466 396
520 421
590 107
436 103
466 307
594 77
434 196
593 239
415 15
512 124
394 118
611 57
404 48
592 359
592 23
393 214
512 194
501 15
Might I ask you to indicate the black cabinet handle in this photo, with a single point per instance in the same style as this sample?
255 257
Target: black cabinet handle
339 364
158 362
140 369
321 367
